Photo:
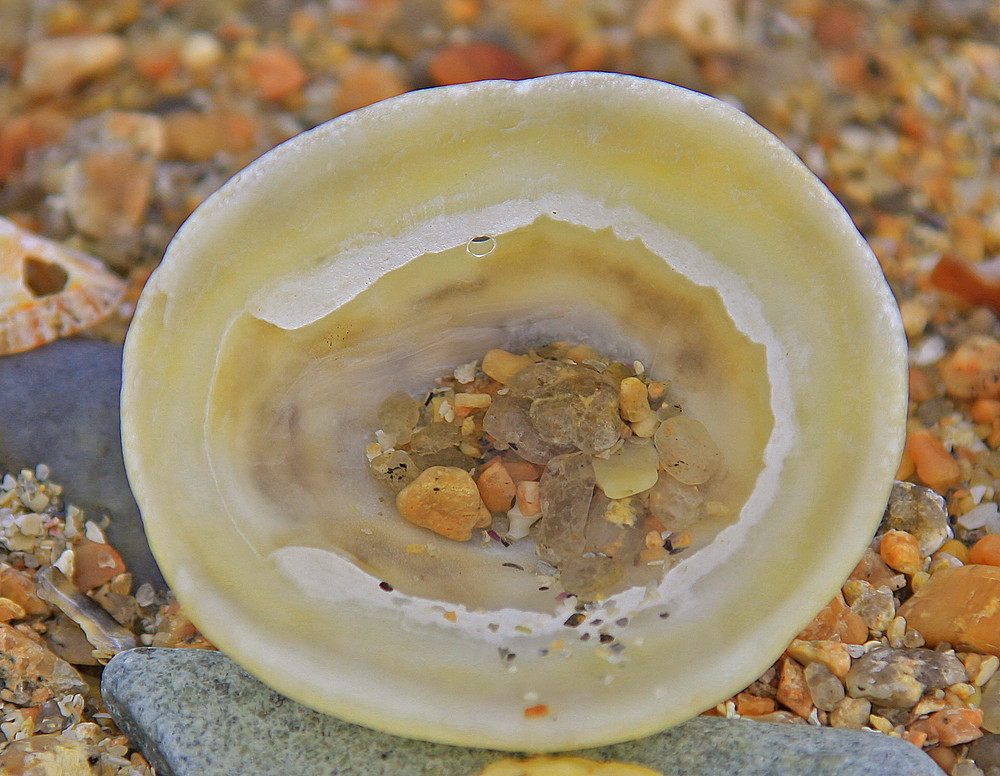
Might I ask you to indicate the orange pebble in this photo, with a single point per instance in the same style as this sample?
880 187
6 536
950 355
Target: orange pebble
985 410
753 706
986 551
95 563
533 712
934 464
906 468
277 72
957 549
496 487
528 500
901 551
522 470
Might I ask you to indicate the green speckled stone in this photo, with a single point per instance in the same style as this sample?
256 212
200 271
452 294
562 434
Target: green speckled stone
196 713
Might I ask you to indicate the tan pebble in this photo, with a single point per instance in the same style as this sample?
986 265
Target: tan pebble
872 569
836 621
972 371
960 606
522 470
496 487
480 61
95 563
528 498
363 81
950 727
832 654
901 551
51 754
918 580
108 192
987 668
20 588
793 692
935 466
501 365
748 705
915 315
927 705
276 72
200 50
10 610
446 500
197 137
851 713
633 400
34 669
705 27
472 400
956 549
55 66
563 765
944 757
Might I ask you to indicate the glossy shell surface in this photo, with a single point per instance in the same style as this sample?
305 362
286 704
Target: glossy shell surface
377 251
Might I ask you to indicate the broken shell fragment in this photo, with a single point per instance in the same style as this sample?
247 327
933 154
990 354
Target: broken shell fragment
635 219
48 290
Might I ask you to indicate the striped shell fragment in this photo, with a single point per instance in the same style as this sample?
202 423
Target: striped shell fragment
48 290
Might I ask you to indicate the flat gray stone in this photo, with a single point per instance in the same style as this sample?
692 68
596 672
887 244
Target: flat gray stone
61 408
196 713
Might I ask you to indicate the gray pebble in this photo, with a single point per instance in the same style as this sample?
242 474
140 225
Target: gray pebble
61 408
195 712
919 511
898 678
985 752
825 688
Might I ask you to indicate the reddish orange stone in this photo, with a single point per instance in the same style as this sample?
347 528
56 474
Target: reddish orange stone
94 564
836 622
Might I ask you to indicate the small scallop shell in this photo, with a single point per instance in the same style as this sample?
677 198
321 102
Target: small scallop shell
48 290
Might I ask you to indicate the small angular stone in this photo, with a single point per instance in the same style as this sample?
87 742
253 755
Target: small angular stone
958 605
832 654
187 709
825 689
686 449
851 713
614 528
950 727
396 468
565 492
50 754
507 422
873 570
918 511
793 692
32 674
898 678
590 577
398 415
571 405
445 500
673 503
837 622
876 607
55 66
630 470
435 438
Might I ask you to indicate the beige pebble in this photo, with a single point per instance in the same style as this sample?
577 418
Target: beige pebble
501 365
55 66
446 500
832 654
108 191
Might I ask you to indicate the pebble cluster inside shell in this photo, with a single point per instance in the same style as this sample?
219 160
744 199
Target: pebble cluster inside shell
389 246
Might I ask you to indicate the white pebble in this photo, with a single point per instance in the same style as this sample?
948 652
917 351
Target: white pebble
94 533
928 352
978 515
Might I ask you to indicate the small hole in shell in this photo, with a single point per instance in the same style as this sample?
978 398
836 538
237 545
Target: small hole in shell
43 278
481 246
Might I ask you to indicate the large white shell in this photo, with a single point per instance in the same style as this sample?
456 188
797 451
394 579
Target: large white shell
639 217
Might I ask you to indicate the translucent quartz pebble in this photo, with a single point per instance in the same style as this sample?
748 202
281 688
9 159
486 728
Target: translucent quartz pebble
673 503
435 438
565 492
590 576
507 422
631 470
395 468
686 450
571 405
990 704
398 416
446 500
614 528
